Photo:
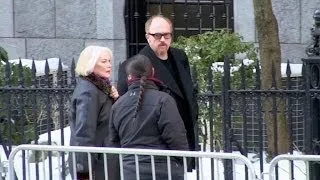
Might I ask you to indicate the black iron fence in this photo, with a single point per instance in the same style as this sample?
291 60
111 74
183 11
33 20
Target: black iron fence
31 105
230 118
244 111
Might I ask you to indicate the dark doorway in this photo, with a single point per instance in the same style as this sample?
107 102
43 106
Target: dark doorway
189 17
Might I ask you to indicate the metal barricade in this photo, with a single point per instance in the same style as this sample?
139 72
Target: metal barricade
305 158
25 149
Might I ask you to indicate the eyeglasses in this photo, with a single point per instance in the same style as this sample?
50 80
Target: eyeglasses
158 36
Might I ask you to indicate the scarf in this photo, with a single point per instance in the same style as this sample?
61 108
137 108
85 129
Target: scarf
101 83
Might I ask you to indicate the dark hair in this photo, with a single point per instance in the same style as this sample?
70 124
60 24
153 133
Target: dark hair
140 68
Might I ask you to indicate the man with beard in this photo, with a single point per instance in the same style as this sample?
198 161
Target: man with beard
172 68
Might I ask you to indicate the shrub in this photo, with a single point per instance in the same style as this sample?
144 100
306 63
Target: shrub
207 50
3 54
5 123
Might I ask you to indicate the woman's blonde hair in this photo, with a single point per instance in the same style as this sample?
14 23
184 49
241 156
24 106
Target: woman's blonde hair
88 59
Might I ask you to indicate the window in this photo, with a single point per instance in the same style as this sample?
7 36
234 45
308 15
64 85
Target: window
189 17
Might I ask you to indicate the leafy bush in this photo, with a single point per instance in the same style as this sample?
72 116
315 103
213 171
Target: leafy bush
14 77
210 47
207 50
14 72
3 54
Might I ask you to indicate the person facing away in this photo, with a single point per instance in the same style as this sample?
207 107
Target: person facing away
91 104
147 118
172 68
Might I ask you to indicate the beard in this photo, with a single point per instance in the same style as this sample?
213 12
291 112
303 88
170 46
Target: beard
162 49
162 53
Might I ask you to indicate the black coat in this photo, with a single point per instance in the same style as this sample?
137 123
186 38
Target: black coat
157 125
89 122
188 110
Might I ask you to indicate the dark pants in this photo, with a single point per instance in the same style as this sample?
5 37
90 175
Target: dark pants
98 169
145 171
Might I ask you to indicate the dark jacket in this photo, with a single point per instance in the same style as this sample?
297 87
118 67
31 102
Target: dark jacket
184 98
90 110
157 125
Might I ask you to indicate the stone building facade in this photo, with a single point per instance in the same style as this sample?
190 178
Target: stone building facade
62 28
42 29
294 22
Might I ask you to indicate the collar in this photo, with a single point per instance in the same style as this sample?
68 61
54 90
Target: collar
151 83
101 83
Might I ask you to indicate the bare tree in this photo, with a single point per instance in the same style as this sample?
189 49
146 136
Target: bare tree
270 56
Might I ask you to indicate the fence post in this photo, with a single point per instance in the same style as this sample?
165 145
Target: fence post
211 113
48 110
289 118
8 109
227 129
243 150
194 75
311 111
34 115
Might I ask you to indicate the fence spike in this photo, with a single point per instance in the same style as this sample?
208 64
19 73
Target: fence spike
288 70
303 70
194 76
288 78
226 72
258 79
243 76
46 72
59 74
209 79
33 74
73 76
7 74
273 74
20 76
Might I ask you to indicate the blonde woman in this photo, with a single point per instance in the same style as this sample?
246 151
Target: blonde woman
92 99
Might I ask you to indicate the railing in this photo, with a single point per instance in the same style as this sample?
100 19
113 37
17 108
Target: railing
25 150
36 109
305 158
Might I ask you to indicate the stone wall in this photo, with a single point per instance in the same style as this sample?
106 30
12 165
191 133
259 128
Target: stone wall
294 20
61 28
